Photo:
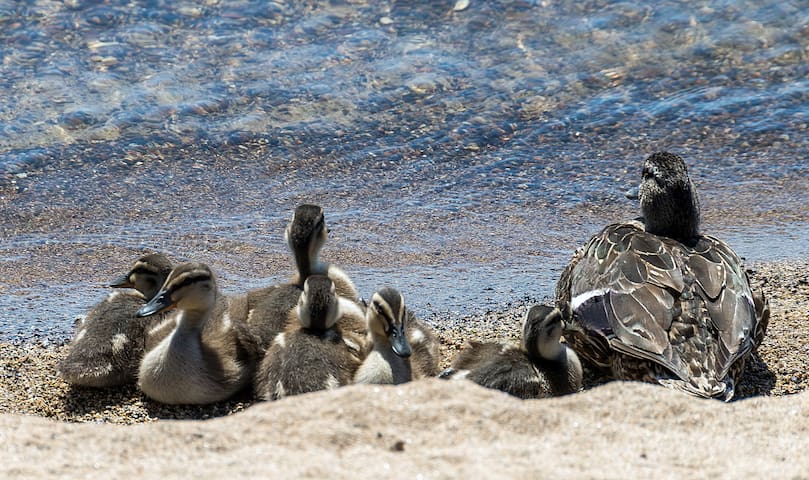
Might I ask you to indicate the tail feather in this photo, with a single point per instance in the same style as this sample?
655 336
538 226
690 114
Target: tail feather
704 388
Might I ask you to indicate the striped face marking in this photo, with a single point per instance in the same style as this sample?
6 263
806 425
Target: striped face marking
149 273
187 279
388 311
141 268
145 278
189 286
388 305
193 283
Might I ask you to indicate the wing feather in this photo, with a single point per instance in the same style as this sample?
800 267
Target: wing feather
657 299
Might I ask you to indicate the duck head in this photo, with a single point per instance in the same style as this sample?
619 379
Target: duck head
189 287
669 202
542 332
318 307
305 235
387 318
146 276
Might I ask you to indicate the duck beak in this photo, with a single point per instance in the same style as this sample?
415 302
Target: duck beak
160 303
633 193
122 282
399 343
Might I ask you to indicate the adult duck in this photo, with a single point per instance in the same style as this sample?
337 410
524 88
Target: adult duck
656 300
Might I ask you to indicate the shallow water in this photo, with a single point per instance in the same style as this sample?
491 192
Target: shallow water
460 155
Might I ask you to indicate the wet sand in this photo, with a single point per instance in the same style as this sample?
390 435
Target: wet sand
607 431
68 232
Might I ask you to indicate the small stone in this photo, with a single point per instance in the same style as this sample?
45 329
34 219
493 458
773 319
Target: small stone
461 5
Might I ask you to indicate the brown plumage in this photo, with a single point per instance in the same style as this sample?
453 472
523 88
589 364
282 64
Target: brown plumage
305 235
654 300
400 348
203 352
109 342
268 307
539 367
314 352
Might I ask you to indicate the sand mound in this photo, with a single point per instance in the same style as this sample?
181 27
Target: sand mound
435 429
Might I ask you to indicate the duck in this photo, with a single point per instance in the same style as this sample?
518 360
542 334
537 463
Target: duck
305 236
202 353
108 344
540 367
400 347
313 353
656 300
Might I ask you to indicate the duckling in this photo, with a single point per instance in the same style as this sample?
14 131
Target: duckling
313 353
540 367
402 347
655 300
109 342
206 354
305 235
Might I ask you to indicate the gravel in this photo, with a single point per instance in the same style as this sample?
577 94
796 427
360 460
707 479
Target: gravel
29 383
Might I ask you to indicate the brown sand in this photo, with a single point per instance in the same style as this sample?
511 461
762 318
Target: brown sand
434 429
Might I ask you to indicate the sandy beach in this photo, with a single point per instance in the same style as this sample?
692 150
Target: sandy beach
461 151
434 429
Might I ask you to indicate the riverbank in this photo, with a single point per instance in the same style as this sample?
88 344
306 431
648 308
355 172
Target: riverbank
616 430
31 386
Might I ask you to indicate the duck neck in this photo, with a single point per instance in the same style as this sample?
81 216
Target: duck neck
551 351
192 321
547 350
559 364
399 367
675 216
308 263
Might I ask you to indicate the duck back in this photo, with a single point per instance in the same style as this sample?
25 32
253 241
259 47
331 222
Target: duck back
648 307
501 367
302 361
108 344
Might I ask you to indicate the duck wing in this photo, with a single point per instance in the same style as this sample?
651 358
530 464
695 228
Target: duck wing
688 308
732 309
622 291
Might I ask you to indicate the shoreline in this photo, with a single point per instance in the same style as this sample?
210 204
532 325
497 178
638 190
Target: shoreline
31 386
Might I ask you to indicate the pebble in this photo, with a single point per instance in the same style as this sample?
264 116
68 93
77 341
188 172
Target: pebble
461 5
30 385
